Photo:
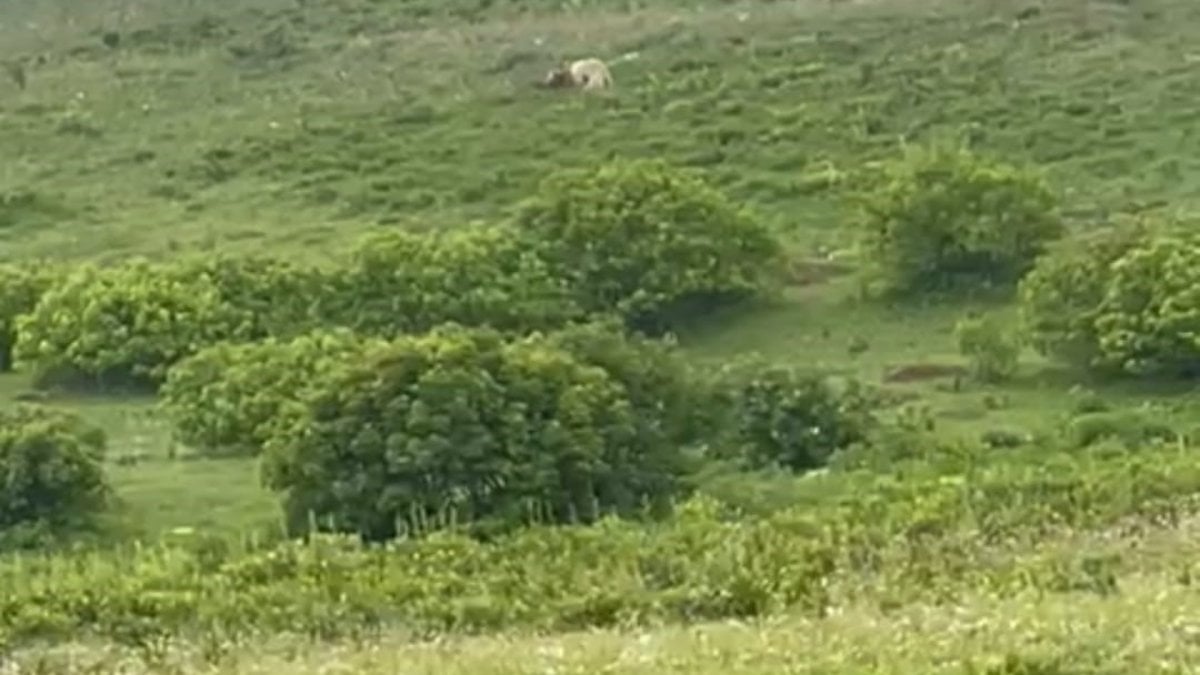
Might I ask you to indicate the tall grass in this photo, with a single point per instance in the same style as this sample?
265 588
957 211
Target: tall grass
929 529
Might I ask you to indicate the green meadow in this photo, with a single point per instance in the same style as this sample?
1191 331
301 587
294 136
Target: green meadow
293 128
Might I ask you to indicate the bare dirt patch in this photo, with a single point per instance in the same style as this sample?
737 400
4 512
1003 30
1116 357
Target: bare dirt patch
918 372
811 272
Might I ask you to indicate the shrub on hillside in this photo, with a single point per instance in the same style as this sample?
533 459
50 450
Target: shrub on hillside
1060 297
992 348
51 467
646 241
400 282
1148 322
122 325
269 296
783 416
666 392
21 286
235 397
461 421
949 220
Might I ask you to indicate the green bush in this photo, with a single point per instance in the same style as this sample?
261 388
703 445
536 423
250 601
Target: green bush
122 325
992 348
666 393
51 468
947 220
232 398
460 421
786 417
647 242
270 297
21 286
400 282
1060 297
1148 322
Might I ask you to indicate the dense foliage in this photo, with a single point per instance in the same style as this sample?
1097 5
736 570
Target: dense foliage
786 417
21 286
235 397
402 282
1124 300
667 394
1148 322
267 296
51 471
1060 297
121 325
462 421
647 241
949 220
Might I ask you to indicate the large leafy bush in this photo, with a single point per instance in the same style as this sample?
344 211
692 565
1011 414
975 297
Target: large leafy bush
647 241
786 417
666 392
267 296
1060 297
51 471
1148 322
121 325
235 397
401 282
21 286
462 421
947 220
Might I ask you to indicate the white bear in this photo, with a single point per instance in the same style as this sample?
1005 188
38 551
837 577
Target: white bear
588 74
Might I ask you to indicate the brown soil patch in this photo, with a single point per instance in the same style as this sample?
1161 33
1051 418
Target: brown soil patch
916 372
811 272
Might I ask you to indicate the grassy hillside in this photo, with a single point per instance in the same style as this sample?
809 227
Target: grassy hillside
154 127
207 128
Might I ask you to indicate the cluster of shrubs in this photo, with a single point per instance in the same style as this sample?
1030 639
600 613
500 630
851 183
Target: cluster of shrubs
1117 300
374 436
637 240
510 375
504 374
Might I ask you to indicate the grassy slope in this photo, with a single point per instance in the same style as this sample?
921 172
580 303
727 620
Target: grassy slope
215 129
